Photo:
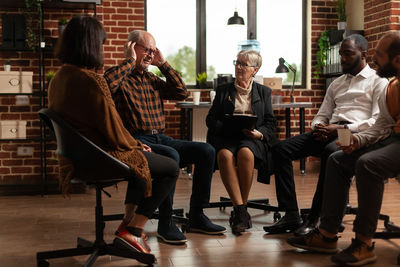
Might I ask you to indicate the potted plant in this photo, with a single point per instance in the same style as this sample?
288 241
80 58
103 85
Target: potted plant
201 79
323 44
341 13
7 65
33 22
62 23
49 76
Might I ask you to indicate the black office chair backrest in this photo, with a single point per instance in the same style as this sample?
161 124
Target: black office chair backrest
91 163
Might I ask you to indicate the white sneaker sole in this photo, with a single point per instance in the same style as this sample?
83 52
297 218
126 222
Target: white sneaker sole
183 241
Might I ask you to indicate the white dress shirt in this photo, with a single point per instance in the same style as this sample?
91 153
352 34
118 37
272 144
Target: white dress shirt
353 99
382 128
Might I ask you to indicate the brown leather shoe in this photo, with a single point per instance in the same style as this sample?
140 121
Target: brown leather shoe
357 254
314 241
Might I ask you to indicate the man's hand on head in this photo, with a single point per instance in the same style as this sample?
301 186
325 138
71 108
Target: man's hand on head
129 50
158 59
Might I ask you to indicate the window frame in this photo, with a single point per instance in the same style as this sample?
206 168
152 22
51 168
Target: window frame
201 41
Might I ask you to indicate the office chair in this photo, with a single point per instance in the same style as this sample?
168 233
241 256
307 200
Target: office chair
260 204
95 167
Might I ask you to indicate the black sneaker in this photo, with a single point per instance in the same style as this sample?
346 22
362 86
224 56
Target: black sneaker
200 223
357 254
170 233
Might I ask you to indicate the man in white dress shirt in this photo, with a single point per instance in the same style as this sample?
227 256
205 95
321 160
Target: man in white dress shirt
351 101
372 157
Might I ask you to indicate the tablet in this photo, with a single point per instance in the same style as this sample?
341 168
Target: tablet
241 121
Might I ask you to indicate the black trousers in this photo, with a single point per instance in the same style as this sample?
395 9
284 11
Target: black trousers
164 173
297 147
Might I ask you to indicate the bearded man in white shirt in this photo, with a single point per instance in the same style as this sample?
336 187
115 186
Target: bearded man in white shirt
351 101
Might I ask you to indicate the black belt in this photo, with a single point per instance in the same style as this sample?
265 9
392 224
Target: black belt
151 132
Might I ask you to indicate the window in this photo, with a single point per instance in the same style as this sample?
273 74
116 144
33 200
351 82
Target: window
222 39
211 45
173 25
279 30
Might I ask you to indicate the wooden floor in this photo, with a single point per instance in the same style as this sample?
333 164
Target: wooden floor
33 223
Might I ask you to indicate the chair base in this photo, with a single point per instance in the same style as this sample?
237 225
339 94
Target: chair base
260 204
85 247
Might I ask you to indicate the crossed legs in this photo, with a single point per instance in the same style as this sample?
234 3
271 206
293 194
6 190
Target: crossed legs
164 172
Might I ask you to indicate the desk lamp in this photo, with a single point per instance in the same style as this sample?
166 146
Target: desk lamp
284 67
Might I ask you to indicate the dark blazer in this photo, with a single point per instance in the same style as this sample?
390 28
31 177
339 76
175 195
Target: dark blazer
224 103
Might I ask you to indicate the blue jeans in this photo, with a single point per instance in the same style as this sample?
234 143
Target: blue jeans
202 155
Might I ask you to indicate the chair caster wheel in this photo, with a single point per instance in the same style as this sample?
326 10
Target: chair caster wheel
179 213
277 216
43 263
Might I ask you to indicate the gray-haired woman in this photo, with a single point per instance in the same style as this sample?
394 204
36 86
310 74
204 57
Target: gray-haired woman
239 151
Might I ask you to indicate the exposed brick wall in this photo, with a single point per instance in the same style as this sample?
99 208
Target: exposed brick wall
381 16
119 18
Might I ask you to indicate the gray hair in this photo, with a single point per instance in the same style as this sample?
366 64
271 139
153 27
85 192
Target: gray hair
135 36
251 55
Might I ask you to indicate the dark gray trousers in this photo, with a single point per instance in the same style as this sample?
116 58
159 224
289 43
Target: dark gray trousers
370 166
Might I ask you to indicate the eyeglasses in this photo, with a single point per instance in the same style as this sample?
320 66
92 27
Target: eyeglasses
241 64
147 50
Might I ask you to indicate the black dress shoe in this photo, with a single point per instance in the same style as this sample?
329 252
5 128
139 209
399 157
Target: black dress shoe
288 223
306 227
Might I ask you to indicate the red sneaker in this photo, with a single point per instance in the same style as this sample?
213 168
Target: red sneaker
137 243
122 227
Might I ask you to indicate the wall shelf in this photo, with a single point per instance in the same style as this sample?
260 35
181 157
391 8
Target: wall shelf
41 53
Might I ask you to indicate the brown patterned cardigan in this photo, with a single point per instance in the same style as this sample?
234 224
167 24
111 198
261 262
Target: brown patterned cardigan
82 98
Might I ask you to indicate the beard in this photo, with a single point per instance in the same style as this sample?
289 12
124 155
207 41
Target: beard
387 70
352 67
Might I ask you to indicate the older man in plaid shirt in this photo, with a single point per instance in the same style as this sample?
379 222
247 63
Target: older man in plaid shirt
138 96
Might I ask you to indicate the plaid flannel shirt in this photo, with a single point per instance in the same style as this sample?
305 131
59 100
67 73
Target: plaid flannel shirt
139 97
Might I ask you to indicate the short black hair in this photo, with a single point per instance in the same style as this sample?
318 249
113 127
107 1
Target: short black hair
359 41
394 47
81 43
